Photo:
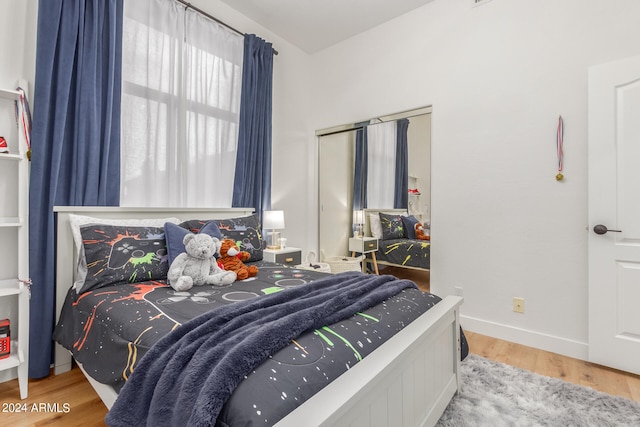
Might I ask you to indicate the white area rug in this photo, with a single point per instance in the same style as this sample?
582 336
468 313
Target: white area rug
494 394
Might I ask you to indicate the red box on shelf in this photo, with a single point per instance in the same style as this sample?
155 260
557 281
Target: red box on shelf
5 338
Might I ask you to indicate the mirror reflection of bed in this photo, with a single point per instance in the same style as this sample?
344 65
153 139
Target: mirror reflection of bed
379 165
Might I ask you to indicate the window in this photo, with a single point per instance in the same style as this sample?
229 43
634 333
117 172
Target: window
181 81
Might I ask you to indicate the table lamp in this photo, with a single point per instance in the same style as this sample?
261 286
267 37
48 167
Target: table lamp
273 220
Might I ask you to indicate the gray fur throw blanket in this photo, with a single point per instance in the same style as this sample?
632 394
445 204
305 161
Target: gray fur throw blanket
187 376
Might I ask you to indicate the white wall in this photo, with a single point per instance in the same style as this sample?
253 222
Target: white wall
17 42
497 76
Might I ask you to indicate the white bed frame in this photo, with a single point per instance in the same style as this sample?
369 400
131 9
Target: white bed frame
408 381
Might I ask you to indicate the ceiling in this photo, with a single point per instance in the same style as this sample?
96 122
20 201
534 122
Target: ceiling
313 25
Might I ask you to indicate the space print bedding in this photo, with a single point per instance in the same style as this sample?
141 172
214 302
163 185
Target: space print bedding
110 329
201 363
397 242
405 252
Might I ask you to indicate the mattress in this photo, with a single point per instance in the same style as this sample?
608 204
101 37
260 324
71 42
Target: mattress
405 252
110 329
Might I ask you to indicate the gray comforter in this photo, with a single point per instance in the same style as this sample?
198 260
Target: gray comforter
187 376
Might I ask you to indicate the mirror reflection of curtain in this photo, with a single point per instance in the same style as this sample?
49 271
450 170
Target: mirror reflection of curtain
381 166
360 168
401 191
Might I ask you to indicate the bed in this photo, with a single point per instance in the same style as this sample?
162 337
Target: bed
397 245
414 372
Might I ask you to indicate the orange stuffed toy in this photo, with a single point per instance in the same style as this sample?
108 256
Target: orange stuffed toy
420 233
231 258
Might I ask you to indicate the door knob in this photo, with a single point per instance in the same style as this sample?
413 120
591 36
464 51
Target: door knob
602 229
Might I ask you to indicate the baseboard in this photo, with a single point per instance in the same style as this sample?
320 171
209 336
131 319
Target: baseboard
563 346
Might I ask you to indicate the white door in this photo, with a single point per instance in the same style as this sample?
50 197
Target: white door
614 204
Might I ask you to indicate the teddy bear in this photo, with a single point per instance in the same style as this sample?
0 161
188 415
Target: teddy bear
231 258
420 233
198 265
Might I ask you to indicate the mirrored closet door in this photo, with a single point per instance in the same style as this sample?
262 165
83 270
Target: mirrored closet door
382 164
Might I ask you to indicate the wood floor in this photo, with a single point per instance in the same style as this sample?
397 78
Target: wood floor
84 408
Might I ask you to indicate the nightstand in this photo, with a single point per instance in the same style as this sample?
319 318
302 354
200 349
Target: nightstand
288 256
365 245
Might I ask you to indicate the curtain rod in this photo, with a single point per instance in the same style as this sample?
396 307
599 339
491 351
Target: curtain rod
202 12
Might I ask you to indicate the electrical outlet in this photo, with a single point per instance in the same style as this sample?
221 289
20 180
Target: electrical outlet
518 305
458 290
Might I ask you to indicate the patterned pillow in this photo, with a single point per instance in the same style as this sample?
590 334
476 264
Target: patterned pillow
77 221
246 232
392 226
123 254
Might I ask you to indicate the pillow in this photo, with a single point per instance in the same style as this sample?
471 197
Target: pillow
375 225
392 227
409 223
246 232
76 221
123 254
175 233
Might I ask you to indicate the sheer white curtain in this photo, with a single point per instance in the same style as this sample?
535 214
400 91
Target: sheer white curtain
182 75
381 148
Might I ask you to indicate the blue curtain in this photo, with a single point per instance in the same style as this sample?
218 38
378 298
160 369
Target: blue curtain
401 192
252 181
360 168
75 138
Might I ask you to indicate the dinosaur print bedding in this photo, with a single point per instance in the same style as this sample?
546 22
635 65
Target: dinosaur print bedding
110 329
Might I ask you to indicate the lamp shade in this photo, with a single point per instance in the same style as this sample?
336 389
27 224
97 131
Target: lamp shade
273 220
